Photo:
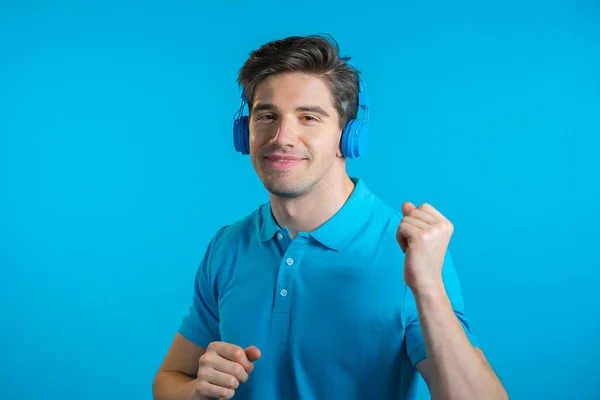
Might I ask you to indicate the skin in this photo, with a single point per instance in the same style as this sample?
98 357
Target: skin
190 372
453 369
294 148
308 192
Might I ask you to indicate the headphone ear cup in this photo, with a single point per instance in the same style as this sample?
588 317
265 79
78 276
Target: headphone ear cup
355 138
241 135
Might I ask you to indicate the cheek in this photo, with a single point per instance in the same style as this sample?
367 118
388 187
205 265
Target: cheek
256 139
322 139
325 144
262 133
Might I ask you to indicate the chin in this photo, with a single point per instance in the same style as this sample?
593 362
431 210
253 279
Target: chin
283 190
287 187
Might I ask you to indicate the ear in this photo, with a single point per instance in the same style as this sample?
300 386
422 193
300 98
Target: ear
339 153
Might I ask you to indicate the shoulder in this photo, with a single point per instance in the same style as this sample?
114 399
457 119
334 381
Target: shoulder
233 234
376 236
383 217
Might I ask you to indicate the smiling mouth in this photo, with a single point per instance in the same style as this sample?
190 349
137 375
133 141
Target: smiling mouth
282 162
283 158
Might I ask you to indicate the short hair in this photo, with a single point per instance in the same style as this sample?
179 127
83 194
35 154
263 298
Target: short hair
316 55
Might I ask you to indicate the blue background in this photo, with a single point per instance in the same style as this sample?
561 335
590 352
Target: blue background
117 165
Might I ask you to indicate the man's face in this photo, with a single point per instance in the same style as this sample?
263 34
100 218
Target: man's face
294 133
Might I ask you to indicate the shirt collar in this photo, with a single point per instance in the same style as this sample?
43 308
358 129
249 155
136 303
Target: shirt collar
267 226
339 229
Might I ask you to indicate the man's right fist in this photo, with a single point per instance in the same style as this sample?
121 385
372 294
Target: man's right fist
223 367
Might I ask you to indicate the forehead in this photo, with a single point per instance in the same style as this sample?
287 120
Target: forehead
293 89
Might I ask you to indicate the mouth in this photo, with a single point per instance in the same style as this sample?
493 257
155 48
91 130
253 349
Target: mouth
283 162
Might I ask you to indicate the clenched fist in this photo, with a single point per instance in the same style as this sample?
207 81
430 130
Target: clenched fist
424 234
223 367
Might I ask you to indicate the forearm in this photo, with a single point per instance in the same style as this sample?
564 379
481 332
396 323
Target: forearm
458 370
174 386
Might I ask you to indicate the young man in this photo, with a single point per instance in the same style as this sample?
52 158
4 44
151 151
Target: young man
324 292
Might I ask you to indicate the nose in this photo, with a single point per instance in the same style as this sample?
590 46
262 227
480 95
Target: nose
285 133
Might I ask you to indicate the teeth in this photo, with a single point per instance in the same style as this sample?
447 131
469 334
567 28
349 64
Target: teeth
273 159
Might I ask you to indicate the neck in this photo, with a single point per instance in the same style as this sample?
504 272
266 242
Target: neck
306 213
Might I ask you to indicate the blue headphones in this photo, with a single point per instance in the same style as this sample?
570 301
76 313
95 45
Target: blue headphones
355 137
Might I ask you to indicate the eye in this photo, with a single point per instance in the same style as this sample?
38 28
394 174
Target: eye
265 118
309 118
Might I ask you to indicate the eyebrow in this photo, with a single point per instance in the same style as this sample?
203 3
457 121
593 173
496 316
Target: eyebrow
272 107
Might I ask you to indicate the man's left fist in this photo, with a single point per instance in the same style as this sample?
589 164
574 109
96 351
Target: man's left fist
424 234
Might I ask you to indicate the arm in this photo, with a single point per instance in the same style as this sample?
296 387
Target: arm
438 336
220 370
175 377
453 369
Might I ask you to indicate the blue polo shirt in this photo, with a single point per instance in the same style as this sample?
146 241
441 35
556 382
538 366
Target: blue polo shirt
329 310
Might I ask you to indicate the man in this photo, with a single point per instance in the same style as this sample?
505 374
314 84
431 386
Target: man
324 292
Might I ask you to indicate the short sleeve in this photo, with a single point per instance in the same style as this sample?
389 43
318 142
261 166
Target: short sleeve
201 323
414 337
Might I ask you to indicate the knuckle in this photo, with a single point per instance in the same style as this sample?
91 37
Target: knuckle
200 388
226 393
201 374
205 368
214 346
233 383
211 345
239 353
243 377
239 371
206 358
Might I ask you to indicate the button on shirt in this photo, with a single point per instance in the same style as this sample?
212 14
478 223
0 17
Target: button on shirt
329 310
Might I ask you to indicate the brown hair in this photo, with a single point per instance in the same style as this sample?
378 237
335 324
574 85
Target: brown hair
317 55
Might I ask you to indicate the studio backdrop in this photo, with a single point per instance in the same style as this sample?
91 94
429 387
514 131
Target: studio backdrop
117 165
